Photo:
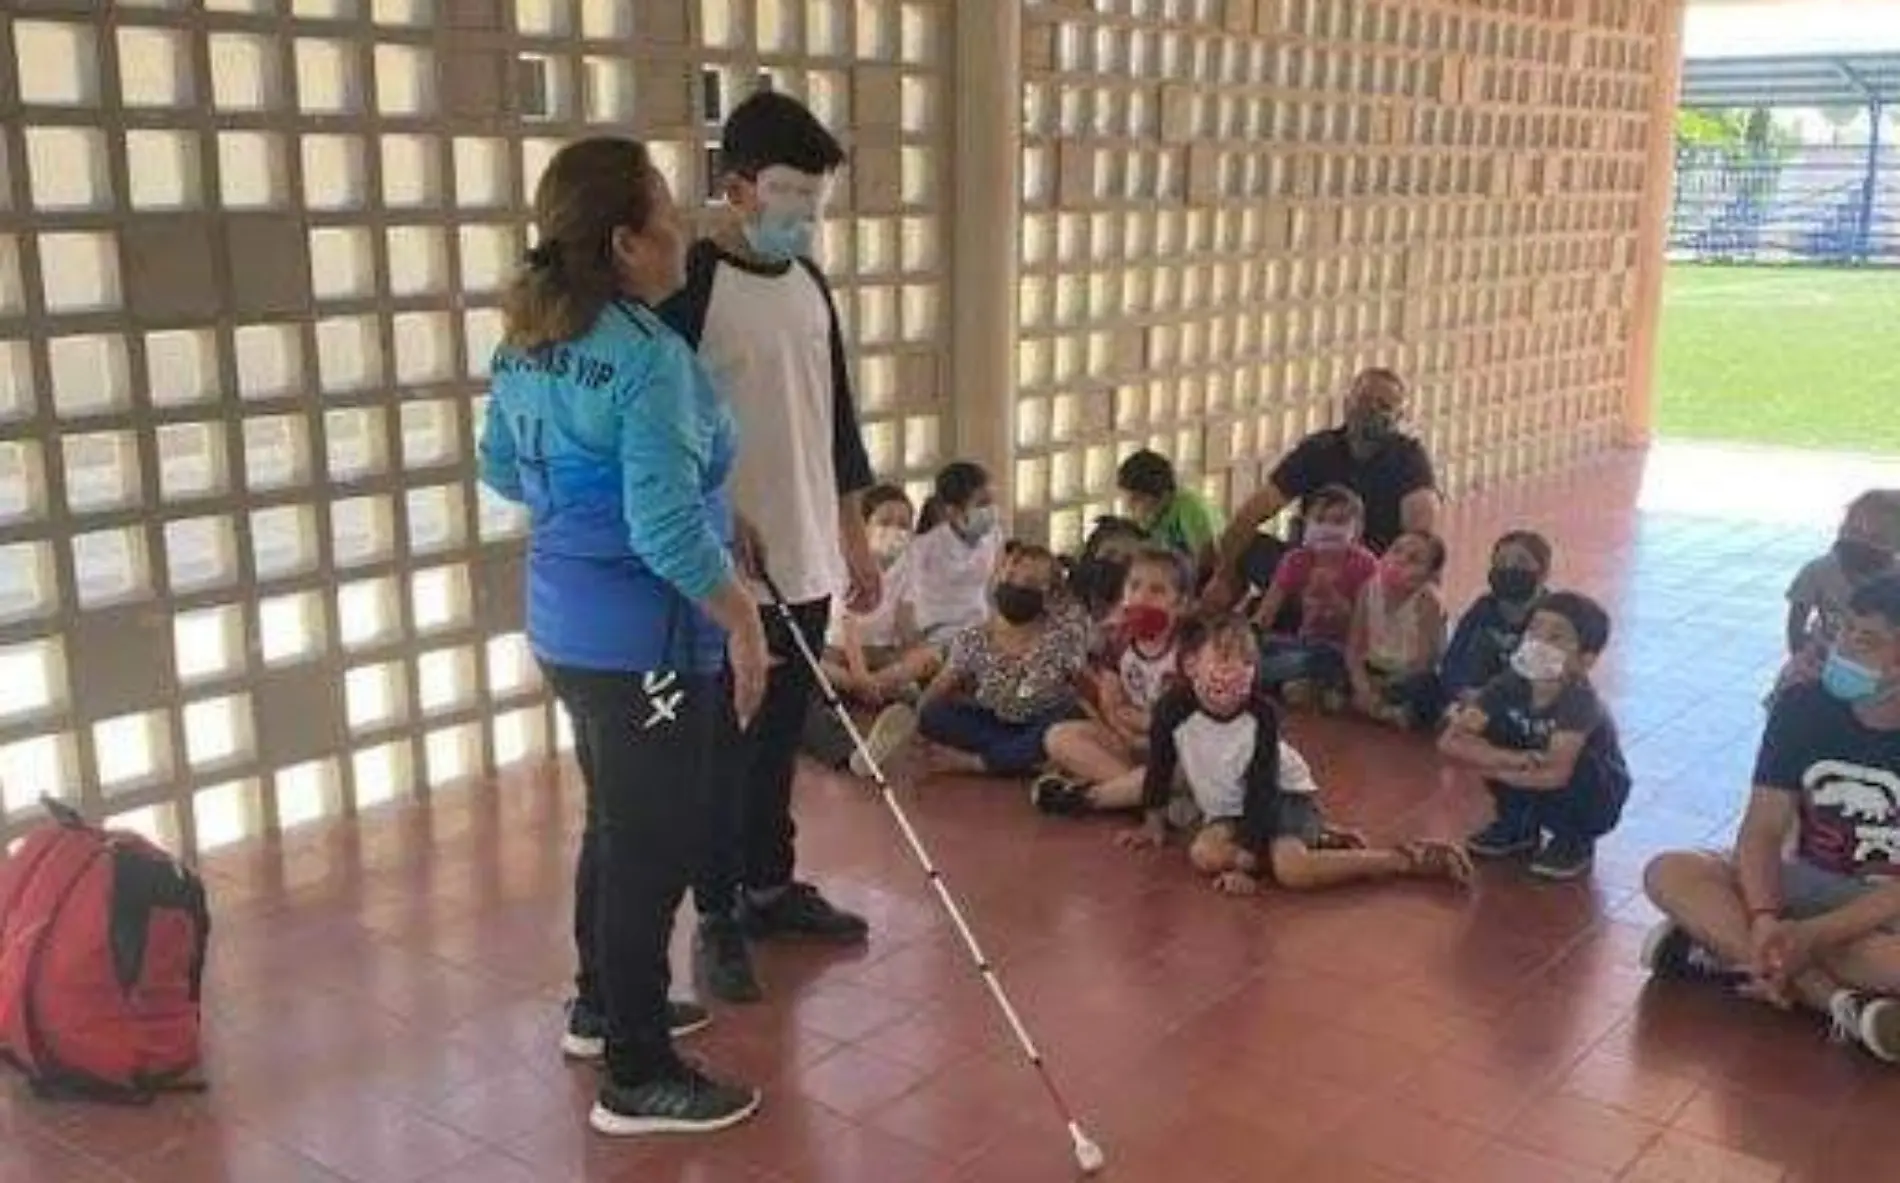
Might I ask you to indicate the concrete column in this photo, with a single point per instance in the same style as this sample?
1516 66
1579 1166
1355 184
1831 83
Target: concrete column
1652 236
985 202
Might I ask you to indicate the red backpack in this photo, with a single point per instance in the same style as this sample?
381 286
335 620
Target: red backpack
102 953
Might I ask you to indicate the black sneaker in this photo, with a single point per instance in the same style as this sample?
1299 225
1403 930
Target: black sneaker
1669 952
799 911
1502 839
688 1103
1564 858
1058 796
723 962
585 1037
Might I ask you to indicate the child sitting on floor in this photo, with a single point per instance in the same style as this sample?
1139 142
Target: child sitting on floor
1397 635
953 560
869 659
1098 760
1546 744
1493 627
1323 577
1863 551
1250 798
1007 681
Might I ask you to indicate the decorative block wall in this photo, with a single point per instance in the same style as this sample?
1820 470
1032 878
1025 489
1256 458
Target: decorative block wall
1231 206
251 253
250 257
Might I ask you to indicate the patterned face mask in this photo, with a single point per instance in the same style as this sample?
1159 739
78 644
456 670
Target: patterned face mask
786 226
1224 687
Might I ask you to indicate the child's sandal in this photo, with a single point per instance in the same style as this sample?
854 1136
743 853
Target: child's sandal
1431 859
1340 838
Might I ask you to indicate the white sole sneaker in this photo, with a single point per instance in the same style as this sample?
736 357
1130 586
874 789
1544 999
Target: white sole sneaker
622 1125
581 1047
894 727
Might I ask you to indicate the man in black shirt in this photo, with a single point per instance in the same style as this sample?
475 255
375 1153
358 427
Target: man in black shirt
1370 454
1817 923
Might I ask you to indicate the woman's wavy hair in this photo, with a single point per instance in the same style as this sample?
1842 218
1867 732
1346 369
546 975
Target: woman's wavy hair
591 188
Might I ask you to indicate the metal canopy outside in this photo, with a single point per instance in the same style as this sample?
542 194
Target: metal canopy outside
1792 80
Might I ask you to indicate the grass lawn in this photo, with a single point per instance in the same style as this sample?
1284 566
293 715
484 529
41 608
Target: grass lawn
1798 356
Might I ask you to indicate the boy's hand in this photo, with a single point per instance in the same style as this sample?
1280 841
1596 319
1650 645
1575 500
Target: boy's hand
1236 883
1149 835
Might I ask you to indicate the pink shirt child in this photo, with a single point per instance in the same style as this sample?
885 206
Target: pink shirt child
1326 585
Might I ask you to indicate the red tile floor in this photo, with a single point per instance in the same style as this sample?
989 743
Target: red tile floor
385 996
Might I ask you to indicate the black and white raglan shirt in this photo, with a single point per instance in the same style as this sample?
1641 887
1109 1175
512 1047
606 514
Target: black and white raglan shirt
770 336
1236 768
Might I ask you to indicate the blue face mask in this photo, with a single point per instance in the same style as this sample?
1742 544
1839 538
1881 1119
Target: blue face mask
780 237
1849 680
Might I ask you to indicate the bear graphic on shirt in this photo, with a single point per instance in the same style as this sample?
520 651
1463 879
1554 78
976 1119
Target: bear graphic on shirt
1852 819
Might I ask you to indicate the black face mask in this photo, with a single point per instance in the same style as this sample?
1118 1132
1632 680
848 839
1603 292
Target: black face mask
1018 604
1513 585
1860 558
1370 431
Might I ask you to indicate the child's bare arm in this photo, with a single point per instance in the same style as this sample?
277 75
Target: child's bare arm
851 641
1271 602
1432 621
945 685
1463 741
1357 644
1799 617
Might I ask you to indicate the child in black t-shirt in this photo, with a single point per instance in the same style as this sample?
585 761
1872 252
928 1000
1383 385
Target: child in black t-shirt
1490 630
1248 795
1546 744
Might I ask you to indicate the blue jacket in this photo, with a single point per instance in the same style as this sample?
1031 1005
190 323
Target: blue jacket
619 446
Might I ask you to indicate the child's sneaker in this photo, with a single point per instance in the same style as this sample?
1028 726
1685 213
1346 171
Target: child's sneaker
1502 839
893 729
1869 1020
1059 796
1670 953
1564 858
1334 701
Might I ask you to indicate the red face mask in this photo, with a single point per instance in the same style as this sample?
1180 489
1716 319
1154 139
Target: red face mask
1146 622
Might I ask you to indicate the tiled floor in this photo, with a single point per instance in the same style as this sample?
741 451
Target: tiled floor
385 997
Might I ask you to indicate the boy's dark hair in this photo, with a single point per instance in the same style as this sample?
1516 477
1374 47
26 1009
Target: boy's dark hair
1166 558
1334 497
771 129
1147 473
1200 632
1880 597
878 496
956 483
1589 618
1883 505
1435 553
1535 544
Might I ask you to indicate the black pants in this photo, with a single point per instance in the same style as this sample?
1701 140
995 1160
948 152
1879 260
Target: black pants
753 835
645 744
1582 811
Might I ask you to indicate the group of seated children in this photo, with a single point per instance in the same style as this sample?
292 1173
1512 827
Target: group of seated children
1124 699
985 649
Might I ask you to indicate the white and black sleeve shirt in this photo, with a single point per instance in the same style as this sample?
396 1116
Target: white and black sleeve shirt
771 338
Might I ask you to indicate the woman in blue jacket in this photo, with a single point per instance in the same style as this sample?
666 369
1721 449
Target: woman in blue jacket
601 421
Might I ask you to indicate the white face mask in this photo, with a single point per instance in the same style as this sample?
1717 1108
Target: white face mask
1326 536
888 542
1538 661
979 522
